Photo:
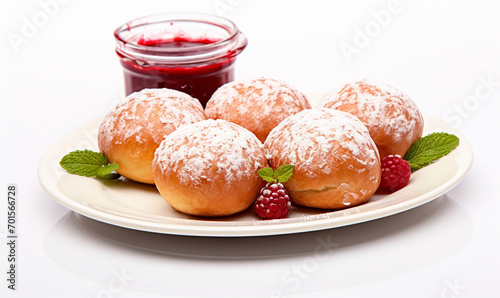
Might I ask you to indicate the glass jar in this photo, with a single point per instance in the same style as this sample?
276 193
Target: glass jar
190 52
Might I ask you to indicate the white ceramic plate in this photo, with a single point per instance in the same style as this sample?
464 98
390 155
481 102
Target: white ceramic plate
133 205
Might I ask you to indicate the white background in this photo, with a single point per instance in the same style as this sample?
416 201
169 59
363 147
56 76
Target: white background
62 72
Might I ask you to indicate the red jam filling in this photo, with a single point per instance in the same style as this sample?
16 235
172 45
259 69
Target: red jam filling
198 80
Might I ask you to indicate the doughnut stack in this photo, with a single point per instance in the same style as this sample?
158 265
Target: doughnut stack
204 162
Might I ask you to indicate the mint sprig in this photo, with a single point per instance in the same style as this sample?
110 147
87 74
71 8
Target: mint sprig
429 149
280 175
89 164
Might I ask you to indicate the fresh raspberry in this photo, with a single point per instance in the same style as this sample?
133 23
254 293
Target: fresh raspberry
273 202
395 173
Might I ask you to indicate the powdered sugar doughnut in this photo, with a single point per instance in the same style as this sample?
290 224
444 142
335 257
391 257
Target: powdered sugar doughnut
337 164
130 133
258 104
393 119
209 168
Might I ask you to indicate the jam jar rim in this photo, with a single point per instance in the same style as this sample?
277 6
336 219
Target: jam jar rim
225 48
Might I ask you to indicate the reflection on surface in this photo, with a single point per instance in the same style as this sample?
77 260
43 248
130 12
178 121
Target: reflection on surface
386 247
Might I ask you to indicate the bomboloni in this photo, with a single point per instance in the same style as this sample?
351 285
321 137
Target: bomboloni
131 132
209 168
336 162
391 116
258 104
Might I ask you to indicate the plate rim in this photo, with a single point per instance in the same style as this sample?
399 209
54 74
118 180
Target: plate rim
273 227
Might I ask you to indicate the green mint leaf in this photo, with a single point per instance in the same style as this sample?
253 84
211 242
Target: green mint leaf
430 148
83 163
89 164
283 173
105 172
267 174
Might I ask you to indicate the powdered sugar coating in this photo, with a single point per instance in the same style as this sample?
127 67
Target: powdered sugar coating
211 151
256 104
313 138
149 114
382 108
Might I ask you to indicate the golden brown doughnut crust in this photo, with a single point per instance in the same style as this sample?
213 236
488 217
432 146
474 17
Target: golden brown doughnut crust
130 133
337 164
393 119
258 104
209 168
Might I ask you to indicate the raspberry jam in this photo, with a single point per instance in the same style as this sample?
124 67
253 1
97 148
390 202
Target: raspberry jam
192 53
